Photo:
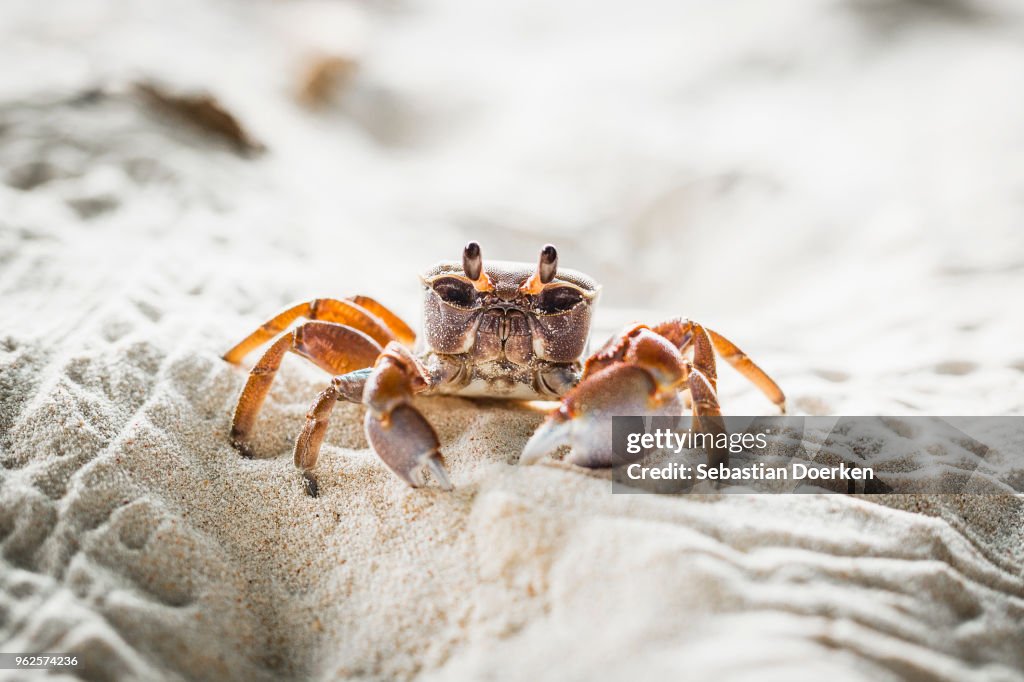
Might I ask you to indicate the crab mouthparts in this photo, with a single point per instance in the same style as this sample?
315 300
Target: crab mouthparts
504 322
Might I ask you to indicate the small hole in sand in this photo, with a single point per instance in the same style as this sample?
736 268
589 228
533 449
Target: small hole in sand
88 208
955 367
80 582
22 590
135 534
811 405
832 375
28 176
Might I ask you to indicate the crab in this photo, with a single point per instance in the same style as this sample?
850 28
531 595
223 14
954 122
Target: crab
505 330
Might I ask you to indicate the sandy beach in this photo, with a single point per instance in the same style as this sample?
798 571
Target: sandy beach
835 185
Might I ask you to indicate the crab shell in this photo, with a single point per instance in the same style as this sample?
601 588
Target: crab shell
503 335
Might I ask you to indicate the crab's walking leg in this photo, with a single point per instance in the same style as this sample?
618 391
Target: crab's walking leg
681 332
702 382
396 430
307 445
731 353
359 312
332 347
397 325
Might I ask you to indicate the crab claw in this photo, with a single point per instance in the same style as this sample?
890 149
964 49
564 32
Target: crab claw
408 445
399 434
584 421
555 432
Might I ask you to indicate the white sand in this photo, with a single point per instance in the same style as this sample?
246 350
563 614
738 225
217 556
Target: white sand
835 185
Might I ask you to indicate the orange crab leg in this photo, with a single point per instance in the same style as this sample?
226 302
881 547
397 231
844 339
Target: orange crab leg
358 312
332 347
681 333
731 353
397 325
702 383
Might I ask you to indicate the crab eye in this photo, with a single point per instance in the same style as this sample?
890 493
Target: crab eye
558 299
455 291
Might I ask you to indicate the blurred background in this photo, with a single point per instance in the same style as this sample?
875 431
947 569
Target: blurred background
834 183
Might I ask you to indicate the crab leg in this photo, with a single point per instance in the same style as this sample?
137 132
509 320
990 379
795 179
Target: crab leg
307 446
332 347
359 312
702 383
731 353
681 332
396 430
395 324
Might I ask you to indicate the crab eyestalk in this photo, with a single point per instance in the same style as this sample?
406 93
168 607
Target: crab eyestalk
547 268
472 261
473 266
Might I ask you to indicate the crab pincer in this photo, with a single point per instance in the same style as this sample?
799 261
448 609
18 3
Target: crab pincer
643 371
399 434
639 373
